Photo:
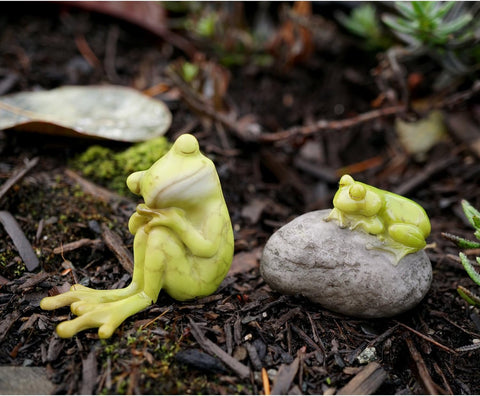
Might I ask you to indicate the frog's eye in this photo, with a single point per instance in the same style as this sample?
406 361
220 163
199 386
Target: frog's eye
346 180
186 144
357 192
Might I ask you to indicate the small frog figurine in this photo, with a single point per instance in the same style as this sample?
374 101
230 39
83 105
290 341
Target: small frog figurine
183 242
400 224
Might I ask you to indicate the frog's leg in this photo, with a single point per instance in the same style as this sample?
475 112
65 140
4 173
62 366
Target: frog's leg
161 247
407 234
83 296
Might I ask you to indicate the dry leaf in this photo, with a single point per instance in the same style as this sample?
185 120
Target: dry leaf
420 136
106 112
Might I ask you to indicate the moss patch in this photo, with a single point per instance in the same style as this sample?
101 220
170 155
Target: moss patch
111 169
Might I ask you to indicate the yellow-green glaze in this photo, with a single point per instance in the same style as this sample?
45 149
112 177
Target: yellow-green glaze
400 224
183 242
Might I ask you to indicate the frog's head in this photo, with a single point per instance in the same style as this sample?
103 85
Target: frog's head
182 177
356 198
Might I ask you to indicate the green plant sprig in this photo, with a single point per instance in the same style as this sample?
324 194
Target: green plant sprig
427 23
473 217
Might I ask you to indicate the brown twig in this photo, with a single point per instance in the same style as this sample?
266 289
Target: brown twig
307 339
19 240
420 178
239 368
445 348
17 175
199 105
323 125
444 379
115 244
76 245
460 97
366 382
91 188
86 51
424 376
266 382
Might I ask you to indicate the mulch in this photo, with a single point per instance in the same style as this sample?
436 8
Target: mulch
245 338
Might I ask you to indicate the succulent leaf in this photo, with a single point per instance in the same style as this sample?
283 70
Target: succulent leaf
470 211
462 243
468 296
470 268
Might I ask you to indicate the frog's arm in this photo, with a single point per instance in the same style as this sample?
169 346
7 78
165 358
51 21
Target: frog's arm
372 225
176 220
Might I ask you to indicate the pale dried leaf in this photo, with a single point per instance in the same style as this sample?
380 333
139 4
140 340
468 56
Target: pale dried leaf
107 112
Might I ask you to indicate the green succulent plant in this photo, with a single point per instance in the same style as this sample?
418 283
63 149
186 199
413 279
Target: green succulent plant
428 23
473 216
446 31
364 22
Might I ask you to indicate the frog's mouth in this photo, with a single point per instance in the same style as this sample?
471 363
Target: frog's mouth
187 189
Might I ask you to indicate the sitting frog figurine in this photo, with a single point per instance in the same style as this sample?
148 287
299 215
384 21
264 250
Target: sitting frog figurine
400 224
183 242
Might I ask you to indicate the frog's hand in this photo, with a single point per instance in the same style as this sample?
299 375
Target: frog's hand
107 316
196 242
408 235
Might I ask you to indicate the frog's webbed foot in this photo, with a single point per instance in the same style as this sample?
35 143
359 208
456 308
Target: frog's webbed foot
106 316
397 249
79 293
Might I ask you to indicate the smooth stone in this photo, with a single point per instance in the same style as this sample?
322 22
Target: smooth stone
332 266
18 380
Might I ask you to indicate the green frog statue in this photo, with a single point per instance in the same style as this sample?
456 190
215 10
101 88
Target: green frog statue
183 242
400 224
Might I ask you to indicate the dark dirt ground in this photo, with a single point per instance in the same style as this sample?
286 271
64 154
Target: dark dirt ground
266 185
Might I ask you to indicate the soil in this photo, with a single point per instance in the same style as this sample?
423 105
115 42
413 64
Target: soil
430 349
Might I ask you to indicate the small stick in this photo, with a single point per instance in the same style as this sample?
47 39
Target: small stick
444 379
158 317
91 188
75 245
445 348
422 177
17 175
266 382
115 244
429 386
323 125
239 368
307 339
383 336
366 382
19 240
86 51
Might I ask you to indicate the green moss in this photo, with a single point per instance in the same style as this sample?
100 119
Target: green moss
111 169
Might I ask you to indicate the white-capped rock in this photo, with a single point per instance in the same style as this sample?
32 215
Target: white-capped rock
332 266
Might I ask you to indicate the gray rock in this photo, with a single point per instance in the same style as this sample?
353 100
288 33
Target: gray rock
17 380
332 266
